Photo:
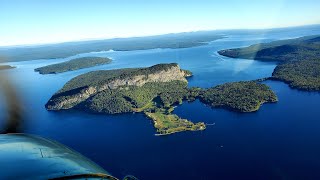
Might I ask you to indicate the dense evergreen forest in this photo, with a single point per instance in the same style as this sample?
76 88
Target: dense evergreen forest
303 75
156 98
239 96
74 64
303 48
299 60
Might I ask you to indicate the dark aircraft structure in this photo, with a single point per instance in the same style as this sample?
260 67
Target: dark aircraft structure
24 156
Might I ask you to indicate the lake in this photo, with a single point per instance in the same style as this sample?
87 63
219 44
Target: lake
280 141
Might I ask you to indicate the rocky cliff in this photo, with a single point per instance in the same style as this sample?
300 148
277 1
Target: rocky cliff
80 88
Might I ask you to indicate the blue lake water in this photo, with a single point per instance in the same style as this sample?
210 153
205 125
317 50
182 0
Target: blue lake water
280 141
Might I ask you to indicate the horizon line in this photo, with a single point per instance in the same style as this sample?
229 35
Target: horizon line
151 35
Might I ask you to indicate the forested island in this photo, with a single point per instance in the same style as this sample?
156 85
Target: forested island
3 67
74 64
299 60
154 91
243 96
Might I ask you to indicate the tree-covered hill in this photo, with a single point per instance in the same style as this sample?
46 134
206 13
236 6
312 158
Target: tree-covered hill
155 91
303 48
239 96
299 60
74 64
303 75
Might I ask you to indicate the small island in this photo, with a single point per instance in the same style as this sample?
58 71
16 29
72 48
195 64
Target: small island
4 67
299 60
74 64
154 91
244 96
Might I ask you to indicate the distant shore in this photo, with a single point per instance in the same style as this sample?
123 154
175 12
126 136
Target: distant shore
4 67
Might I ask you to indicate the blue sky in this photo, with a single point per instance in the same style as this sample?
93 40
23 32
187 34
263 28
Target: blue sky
47 21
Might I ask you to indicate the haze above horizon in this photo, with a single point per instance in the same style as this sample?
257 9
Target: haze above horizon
42 22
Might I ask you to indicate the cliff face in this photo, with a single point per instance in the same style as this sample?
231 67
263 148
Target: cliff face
73 97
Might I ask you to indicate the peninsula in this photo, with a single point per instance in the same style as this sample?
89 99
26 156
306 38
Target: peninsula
129 90
299 60
154 91
74 64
